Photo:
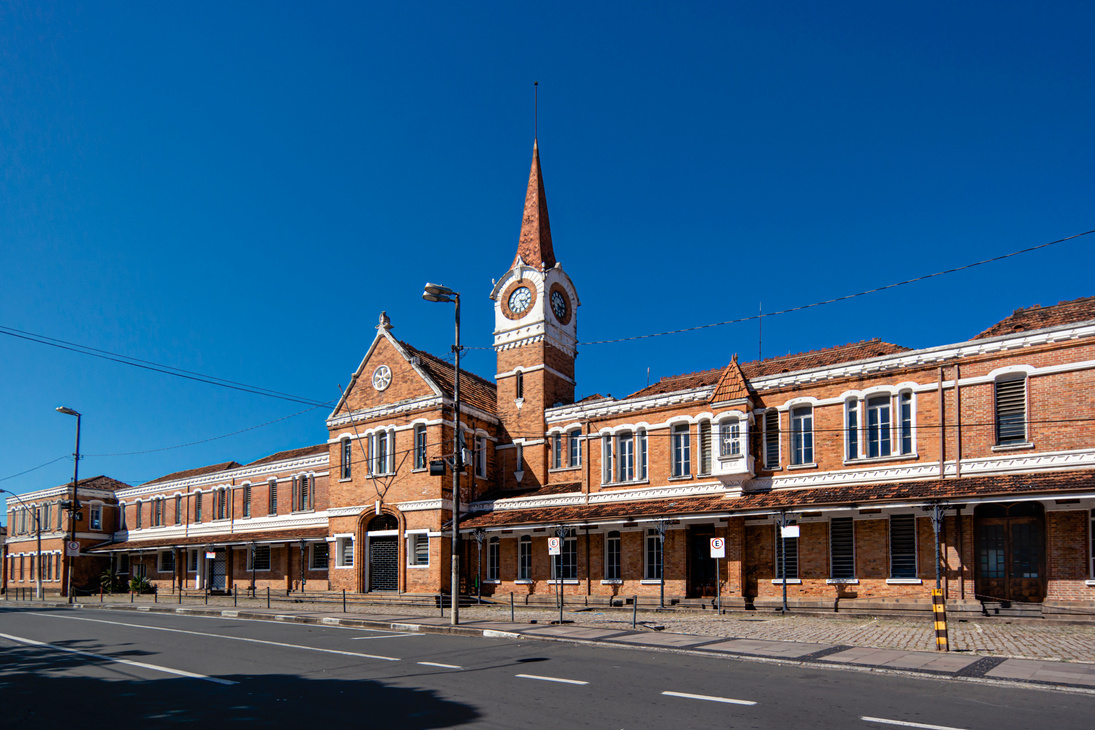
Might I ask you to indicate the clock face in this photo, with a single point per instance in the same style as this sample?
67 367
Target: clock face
559 304
382 377
520 300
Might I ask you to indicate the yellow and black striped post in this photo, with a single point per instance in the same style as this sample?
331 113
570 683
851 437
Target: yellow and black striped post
939 609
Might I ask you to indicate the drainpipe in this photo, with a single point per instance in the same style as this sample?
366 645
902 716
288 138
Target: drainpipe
957 423
942 430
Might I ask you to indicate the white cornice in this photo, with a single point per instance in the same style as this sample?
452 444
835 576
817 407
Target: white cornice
1026 462
64 491
603 408
605 497
386 411
226 527
225 478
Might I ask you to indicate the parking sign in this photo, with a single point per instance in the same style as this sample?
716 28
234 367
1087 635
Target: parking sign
718 547
554 546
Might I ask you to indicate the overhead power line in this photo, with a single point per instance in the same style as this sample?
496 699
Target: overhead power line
846 297
158 367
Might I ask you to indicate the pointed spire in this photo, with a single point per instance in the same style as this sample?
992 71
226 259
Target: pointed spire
534 246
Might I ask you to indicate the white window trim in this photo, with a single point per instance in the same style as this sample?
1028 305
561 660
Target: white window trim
412 537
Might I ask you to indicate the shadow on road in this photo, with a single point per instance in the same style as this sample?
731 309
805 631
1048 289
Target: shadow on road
40 692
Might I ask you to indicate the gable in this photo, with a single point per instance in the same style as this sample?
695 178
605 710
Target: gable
406 381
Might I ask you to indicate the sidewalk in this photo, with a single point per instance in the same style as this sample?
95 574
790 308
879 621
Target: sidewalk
1057 655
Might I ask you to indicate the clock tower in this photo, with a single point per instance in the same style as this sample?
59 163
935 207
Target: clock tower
535 339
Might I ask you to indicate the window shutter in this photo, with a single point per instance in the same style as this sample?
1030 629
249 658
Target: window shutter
1011 411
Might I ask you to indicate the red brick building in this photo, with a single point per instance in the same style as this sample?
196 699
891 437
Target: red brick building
855 448
29 552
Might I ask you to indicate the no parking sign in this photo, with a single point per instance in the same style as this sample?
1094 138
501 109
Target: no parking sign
718 547
554 544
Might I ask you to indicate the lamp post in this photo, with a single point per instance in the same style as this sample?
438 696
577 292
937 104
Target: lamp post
75 505
438 293
36 514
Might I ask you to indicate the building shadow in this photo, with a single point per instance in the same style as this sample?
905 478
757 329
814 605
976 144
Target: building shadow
42 689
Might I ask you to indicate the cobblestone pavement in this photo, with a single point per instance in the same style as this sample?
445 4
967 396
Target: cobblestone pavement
991 637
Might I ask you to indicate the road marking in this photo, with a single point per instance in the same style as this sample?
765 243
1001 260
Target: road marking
222 636
884 721
709 698
128 662
552 679
386 636
443 666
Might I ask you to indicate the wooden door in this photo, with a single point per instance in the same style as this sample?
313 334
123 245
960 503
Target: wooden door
1011 552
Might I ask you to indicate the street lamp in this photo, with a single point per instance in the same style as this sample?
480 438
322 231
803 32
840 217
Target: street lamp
36 514
438 293
75 505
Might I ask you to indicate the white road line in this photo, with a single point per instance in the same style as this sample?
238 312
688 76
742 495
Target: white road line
552 679
884 721
105 657
386 636
443 666
709 698
222 636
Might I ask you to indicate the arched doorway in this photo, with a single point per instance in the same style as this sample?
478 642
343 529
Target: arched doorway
1011 550
382 538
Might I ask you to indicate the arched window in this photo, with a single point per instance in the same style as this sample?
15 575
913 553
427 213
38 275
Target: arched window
729 438
704 439
1011 410
802 435
383 522
519 385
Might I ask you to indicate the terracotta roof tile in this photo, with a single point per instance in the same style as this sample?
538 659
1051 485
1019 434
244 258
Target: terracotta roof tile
1038 317
731 385
199 471
101 482
229 538
567 488
292 454
474 390
772 366
858 495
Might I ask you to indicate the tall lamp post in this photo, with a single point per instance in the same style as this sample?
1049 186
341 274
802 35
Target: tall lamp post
438 293
75 504
36 514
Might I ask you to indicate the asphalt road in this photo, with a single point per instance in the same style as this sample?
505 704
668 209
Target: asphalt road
66 668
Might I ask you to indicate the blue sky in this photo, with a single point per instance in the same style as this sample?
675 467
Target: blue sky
239 189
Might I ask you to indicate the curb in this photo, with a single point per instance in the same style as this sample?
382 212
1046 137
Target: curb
407 627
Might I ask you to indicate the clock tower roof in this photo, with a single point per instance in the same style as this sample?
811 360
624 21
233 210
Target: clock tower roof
534 245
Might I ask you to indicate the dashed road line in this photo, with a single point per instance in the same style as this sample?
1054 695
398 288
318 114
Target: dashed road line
709 698
902 723
226 638
443 666
117 660
551 679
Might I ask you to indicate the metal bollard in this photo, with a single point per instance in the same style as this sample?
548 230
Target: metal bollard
634 611
511 606
235 600
155 596
268 596
131 596
344 600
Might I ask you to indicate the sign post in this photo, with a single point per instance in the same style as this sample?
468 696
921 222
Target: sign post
718 550
555 551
